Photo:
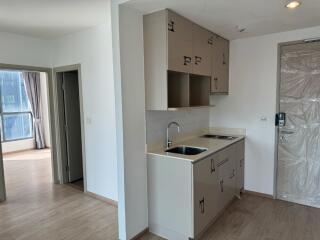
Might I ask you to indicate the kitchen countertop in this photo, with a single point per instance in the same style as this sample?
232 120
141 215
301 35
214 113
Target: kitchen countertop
213 146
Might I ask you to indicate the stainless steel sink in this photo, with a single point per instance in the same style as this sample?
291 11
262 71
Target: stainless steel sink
222 137
185 150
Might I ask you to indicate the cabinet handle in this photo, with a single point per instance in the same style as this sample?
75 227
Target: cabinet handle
224 62
221 185
187 60
233 174
216 83
210 41
201 203
171 26
197 60
213 168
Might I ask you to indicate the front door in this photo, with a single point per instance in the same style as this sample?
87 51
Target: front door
298 175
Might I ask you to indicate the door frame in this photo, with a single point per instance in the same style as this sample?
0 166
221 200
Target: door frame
54 166
280 45
61 150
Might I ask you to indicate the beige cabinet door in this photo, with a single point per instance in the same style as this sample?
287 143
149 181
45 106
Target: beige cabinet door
220 66
179 43
202 51
240 166
227 180
205 193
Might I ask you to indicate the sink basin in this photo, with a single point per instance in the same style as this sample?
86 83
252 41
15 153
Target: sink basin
222 137
185 150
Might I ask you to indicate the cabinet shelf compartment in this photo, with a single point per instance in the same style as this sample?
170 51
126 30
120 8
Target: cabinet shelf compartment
199 90
178 89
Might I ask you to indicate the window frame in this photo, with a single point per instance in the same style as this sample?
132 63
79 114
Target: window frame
3 140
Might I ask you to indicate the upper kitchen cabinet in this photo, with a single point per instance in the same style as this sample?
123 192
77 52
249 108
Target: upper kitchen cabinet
178 62
179 43
220 66
202 51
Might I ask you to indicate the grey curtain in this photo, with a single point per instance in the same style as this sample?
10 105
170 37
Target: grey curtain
32 82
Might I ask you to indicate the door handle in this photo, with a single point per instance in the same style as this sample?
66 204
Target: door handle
287 132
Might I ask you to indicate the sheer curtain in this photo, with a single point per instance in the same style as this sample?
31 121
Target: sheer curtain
32 83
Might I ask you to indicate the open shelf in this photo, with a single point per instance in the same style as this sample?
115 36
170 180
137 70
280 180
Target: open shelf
199 90
178 89
188 91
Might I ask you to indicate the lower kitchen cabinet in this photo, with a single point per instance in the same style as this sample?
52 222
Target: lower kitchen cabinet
240 166
227 177
185 198
206 193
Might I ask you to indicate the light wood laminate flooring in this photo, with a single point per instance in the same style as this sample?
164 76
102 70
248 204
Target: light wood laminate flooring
39 210
259 218
36 209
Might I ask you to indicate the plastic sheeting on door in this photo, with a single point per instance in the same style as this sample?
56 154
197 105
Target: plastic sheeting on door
299 141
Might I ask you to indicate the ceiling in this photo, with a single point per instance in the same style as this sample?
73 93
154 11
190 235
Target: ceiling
50 18
226 17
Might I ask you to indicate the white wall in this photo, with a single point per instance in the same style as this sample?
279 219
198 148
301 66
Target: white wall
134 130
93 50
45 108
20 50
253 89
130 100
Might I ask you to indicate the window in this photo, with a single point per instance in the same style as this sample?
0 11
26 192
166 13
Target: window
16 118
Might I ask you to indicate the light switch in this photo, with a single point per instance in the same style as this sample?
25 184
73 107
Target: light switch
263 119
89 120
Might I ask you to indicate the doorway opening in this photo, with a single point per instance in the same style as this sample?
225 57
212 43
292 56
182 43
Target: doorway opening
298 166
69 107
25 132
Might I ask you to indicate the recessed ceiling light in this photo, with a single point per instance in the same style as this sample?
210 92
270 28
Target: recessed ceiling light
293 4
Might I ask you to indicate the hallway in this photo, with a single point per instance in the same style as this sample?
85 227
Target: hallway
36 209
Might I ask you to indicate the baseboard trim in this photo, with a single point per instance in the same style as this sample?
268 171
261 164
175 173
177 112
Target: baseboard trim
258 194
139 235
103 199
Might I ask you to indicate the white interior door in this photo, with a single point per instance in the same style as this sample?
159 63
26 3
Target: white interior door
298 177
73 125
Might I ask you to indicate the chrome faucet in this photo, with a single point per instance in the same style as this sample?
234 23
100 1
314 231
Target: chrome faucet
168 141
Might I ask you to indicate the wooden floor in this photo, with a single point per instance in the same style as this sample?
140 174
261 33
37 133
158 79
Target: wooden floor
258 218
36 209
39 210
